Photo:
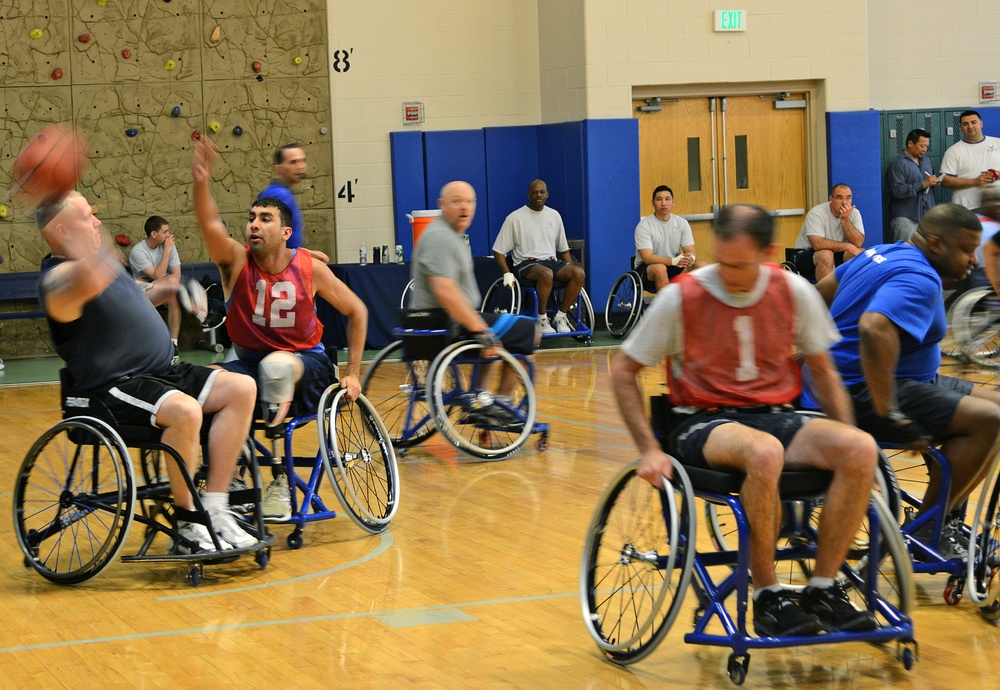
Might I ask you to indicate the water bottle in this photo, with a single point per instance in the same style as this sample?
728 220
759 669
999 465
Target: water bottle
385 253
363 255
399 253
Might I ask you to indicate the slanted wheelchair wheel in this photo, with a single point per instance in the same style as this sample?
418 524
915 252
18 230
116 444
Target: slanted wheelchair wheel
74 500
583 311
624 305
398 390
983 583
467 406
358 458
502 300
974 323
637 563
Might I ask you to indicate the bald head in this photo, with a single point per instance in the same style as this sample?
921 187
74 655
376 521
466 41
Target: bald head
458 205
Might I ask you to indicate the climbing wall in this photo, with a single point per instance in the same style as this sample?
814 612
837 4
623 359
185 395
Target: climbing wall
141 79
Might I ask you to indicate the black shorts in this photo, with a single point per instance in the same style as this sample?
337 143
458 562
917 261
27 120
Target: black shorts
932 405
319 375
555 265
688 435
640 268
520 335
136 400
805 266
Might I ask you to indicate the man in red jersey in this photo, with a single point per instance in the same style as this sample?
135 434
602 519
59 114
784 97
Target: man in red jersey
270 296
730 331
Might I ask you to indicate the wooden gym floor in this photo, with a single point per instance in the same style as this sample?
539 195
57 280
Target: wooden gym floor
474 586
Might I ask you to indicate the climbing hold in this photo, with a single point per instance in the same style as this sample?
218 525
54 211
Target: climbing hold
102 3
323 130
260 77
35 33
176 111
216 34
123 240
57 73
170 64
132 132
126 53
237 130
214 126
83 38
257 67
296 60
196 135
3 211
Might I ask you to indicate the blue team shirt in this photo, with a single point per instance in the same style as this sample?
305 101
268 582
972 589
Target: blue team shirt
282 193
897 281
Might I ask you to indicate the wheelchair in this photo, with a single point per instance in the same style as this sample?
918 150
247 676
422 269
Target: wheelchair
424 383
628 297
640 557
974 327
77 497
355 455
501 299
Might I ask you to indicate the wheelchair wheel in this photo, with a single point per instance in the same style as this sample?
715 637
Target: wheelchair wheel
404 299
637 563
467 409
984 552
74 500
397 389
974 321
624 305
583 312
358 458
502 300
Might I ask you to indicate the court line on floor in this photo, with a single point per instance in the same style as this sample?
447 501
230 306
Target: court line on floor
287 621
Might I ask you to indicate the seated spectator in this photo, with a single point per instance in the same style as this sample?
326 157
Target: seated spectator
831 234
664 244
155 258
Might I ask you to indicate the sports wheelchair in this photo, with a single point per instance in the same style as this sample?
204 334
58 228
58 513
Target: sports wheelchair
77 497
355 455
974 327
628 297
425 383
640 558
522 295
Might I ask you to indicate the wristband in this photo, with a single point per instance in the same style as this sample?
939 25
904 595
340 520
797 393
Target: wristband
677 260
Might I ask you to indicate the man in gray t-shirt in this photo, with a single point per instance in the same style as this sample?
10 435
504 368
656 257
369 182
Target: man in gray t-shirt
155 258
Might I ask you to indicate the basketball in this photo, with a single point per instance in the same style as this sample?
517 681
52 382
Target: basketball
51 164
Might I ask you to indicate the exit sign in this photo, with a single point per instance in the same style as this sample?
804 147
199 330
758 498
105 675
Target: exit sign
730 20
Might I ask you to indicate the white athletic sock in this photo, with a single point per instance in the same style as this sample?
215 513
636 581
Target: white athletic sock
215 499
776 587
821 582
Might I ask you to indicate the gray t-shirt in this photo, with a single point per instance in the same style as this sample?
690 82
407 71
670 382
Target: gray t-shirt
821 222
142 257
442 252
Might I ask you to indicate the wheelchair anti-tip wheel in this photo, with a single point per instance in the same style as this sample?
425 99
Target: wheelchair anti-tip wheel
358 458
467 406
637 563
397 386
624 305
74 500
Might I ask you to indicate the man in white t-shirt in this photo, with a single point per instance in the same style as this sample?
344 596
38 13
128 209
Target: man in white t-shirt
831 234
534 234
152 260
972 163
664 244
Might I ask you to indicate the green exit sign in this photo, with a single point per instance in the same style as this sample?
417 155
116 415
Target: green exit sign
730 20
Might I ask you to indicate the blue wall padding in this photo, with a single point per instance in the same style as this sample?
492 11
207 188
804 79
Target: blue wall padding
459 155
407 152
991 120
560 164
511 165
611 188
853 150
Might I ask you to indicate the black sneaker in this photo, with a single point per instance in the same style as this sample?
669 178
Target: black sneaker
775 614
834 610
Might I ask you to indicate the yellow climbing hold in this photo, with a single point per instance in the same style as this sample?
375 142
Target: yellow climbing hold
297 61
214 126
35 33
170 65
3 211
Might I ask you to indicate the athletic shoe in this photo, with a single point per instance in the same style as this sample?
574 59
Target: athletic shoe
561 322
775 614
499 416
225 524
277 506
198 535
543 323
954 542
834 610
235 486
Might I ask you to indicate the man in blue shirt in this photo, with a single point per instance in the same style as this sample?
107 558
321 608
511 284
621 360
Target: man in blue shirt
888 305
289 171
910 180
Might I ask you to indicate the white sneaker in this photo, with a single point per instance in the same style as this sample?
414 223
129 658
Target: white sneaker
543 323
277 506
562 323
226 526
199 535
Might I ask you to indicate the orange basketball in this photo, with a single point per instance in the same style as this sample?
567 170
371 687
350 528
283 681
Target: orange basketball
51 164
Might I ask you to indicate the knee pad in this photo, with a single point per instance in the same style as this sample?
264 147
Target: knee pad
277 382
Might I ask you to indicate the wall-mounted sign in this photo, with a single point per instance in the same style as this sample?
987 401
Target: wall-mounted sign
413 113
987 91
730 20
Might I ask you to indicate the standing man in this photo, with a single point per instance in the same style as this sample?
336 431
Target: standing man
971 163
270 291
889 307
910 180
289 172
116 346
730 331
535 235
831 234
664 243
155 258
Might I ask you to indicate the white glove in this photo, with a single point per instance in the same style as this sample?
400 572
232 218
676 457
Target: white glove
194 299
676 261
509 280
